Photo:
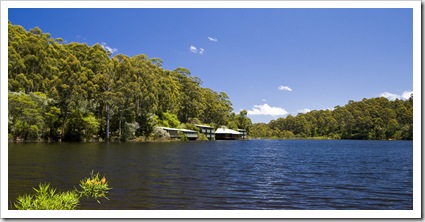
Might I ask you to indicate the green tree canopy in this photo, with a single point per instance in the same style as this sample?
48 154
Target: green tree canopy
88 93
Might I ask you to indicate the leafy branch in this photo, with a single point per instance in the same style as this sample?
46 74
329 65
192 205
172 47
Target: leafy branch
47 198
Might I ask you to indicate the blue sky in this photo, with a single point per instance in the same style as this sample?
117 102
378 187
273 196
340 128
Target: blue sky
271 62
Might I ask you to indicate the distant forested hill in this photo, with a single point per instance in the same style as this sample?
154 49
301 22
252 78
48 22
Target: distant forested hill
376 118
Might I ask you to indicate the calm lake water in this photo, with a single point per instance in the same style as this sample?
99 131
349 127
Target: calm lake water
253 174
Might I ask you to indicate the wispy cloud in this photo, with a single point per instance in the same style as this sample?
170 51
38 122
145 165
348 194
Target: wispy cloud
213 39
392 96
406 94
285 88
80 37
267 110
195 50
306 110
108 48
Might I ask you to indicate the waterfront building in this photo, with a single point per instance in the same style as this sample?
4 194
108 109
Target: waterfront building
176 133
223 133
207 130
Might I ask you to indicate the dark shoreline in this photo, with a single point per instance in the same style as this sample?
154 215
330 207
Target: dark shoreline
173 140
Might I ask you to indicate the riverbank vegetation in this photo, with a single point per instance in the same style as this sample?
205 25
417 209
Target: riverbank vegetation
374 119
75 92
47 198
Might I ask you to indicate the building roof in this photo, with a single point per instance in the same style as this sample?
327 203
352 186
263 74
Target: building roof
204 126
183 130
226 131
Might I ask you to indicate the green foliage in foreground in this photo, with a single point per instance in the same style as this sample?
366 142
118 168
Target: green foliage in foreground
94 187
47 198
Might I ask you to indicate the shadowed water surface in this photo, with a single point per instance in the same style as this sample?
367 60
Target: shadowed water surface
254 174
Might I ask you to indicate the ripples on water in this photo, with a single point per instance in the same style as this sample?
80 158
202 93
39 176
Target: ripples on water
256 174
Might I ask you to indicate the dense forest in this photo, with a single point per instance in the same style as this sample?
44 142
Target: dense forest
376 118
76 92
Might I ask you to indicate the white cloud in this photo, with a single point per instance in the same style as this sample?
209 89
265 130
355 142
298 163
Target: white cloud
213 39
264 100
111 50
285 88
306 110
266 110
391 96
108 48
193 49
406 94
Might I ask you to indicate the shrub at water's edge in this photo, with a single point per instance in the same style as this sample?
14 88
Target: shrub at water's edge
47 198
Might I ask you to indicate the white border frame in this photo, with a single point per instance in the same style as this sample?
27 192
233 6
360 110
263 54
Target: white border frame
417 80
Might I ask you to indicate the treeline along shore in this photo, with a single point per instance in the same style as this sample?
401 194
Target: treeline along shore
75 92
369 119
